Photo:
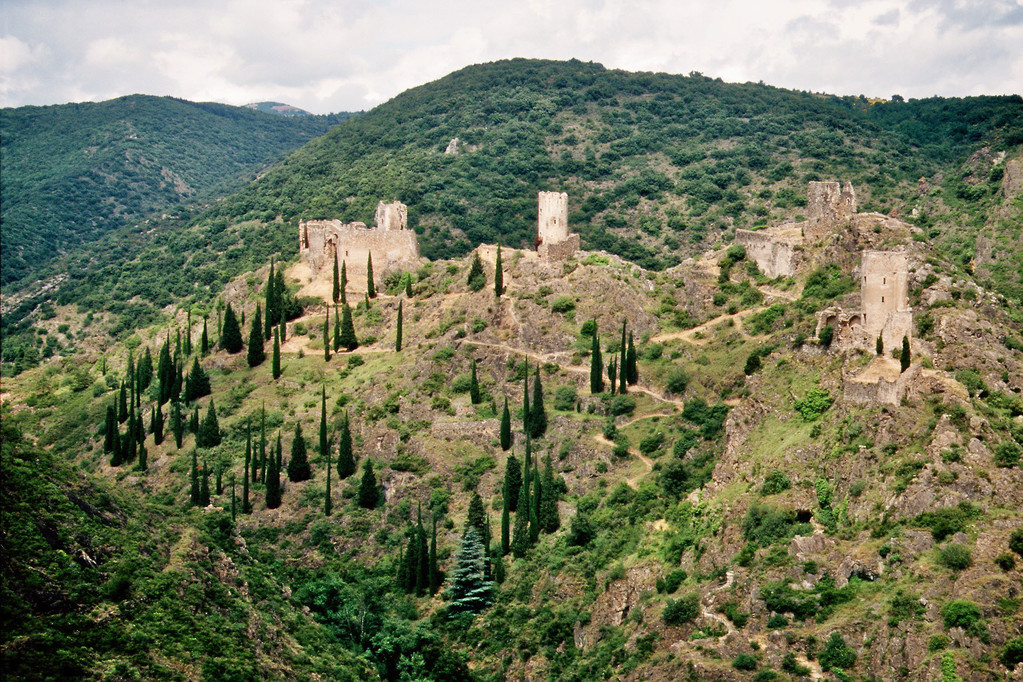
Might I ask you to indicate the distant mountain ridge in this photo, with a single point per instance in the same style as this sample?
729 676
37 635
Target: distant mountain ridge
277 108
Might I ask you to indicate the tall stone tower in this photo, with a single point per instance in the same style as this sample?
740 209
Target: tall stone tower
884 290
828 204
392 216
553 240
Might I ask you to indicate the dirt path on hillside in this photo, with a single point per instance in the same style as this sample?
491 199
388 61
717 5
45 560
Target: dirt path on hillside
706 611
689 335
648 464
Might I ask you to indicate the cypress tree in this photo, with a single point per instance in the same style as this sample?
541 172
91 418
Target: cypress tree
323 422
156 424
143 458
284 331
630 360
194 422
328 502
177 423
345 458
193 491
117 452
298 465
231 336
220 478
408 291
164 373
520 531
344 284
256 354
506 432
122 404
474 386
904 357
397 336
271 299
246 508
512 482
477 515
232 498
879 345
538 414
272 472
596 366
499 570
335 293
477 278
110 430
132 376
435 575
326 345
275 364
198 383
145 370
423 555
280 314
204 343
204 486
623 364
498 274
209 432
550 521
525 401
262 447
505 523
534 504
348 339
371 291
612 373
337 330
175 390
188 334
369 495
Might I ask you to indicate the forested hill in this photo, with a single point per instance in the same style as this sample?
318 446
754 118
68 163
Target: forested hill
73 172
658 167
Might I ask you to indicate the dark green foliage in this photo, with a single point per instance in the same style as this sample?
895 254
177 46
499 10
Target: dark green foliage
122 404
955 557
548 512
815 403
744 662
193 476
110 431
537 412
344 283
836 654
198 383
156 424
256 354
204 344
345 457
275 364
581 531
1007 454
144 373
764 524
947 521
826 284
1012 653
177 424
752 364
1016 541
209 432
520 542
775 482
596 365
612 375
348 340
194 422
623 364
246 505
272 473
371 291
498 273
474 386
565 398
369 493
879 345
681 611
506 431
477 516
960 613
904 356
505 523
231 336
469 590
512 482
676 381
477 278
298 465
397 335
826 335
335 293
631 366
1005 561
326 332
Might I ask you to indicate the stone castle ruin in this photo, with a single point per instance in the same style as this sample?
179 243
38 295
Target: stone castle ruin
553 240
884 305
391 243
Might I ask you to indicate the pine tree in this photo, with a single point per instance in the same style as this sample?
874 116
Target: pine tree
335 294
204 486
275 364
145 370
904 357
246 507
345 458
231 336
164 373
474 386
506 432
477 278
344 284
204 343
498 274
538 414
612 373
879 345
326 344
156 425
209 431
525 401
348 339
256 354
408 286
550 520
397 336
369 495
272 472
110 430
198 383
337 330
122 404
298 465
477 515
512 482
371 291
468 589
177 424
505 524
596 366
632 368
194 422
193 491
623 364
520 531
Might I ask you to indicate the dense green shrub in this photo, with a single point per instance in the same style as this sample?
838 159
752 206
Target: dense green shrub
1016 541
683 610
948 520
1012 653
814 404
676 380
955 557
836 654
1007 454
960 613
765 524
775 482
744 662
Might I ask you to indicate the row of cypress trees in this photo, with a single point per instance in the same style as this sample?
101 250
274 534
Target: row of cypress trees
622 370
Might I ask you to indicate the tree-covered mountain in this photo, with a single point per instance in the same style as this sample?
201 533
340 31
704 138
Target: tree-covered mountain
74 172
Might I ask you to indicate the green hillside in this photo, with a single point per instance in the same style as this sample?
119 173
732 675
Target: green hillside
74 172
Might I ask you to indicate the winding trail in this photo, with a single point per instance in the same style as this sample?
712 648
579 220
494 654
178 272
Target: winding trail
689 335
707 613
648 463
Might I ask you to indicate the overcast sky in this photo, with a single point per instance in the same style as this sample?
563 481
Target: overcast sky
347 55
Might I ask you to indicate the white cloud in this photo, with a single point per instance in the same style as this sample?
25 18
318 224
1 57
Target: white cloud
332 55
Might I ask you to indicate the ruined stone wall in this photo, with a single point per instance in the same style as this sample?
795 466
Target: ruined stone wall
562 250
828 205
392 216
884 293
552 217
884 388
774 257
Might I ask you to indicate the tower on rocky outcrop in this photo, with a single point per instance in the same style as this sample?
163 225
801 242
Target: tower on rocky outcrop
828 205
391 244
553 240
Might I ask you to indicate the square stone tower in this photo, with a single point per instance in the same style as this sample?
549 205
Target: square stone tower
884 290
553 240
828 205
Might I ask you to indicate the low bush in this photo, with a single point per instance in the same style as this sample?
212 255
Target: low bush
680 611
745 662
955 557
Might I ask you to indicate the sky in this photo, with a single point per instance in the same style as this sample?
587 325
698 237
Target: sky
345 55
